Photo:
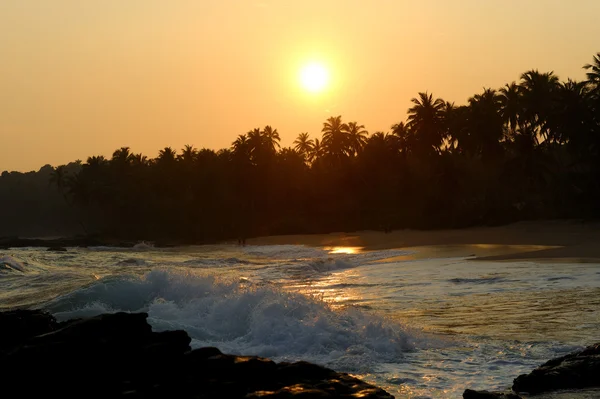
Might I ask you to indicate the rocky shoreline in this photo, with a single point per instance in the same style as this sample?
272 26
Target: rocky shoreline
61 244
573 376
118 355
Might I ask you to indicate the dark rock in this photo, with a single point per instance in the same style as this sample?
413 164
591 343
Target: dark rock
470 394
56 249
115 355
574 371
18 326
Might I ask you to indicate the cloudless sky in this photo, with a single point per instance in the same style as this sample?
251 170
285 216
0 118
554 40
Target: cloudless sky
81 78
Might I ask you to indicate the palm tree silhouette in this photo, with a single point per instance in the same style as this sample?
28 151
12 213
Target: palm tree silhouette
510 98
188 154
58 177
335 137
357 137
425 118
317 151
121 157
486 125
593 74
538 99
271 139
303 144
166 156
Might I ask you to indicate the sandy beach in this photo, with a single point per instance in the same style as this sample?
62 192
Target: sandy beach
541 240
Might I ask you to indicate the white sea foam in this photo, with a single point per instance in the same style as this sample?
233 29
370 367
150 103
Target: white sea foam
245 319
9 264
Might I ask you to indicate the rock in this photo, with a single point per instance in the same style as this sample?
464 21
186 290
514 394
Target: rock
574 371
56 249
115 355
18 326
471 394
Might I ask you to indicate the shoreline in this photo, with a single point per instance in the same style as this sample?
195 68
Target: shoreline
558 240
563 240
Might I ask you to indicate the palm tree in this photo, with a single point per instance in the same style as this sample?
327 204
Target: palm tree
166 155
593 74
122 156
188 154
241 145
357 137
402 137
303 144
335 137
271 139
510 98
139 159
539 91
572 118
317 151
255 142
425 118
485 123
58 177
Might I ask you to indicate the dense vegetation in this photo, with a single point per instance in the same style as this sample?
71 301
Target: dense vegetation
528 150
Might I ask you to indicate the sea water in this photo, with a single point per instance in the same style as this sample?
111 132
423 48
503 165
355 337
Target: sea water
418 326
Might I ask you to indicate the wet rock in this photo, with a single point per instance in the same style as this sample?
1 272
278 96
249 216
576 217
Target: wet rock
18 326
56 249
574 371
115 355
471 394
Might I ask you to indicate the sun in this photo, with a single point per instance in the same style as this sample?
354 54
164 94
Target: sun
314 77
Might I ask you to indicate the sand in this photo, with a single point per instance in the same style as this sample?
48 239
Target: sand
547 240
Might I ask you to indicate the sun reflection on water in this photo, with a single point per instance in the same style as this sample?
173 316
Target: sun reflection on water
343 250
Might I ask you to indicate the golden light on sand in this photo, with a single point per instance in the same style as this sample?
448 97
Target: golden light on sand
314 77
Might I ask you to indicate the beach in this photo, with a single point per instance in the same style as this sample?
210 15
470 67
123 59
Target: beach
559 240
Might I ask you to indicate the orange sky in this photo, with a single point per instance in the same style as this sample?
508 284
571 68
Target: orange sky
80 78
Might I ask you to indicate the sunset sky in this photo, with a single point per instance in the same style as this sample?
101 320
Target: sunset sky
81 78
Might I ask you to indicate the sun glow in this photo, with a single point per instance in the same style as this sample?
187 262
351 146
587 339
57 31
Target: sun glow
314 77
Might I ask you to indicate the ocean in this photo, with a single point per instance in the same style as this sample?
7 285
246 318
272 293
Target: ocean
413 321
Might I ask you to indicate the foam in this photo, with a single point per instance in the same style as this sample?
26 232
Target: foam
9 264
245 318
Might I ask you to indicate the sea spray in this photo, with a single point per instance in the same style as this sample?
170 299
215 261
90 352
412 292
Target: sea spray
245 318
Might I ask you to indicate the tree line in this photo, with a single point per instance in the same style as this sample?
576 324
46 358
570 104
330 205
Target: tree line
527 150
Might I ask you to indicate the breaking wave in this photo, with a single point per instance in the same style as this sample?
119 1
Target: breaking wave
244 318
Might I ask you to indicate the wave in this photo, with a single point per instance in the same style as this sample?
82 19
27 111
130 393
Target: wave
478 280
200 262
246 318
8 264
285 251
132 262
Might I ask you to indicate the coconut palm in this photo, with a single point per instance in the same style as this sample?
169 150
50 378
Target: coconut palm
357 137
58 177
593 74
188 154
241 145
166 155
485 122
122 156
317 151
335 137
539 90
303 144
572 118
271 139
510 97
402 137
425 118
139 159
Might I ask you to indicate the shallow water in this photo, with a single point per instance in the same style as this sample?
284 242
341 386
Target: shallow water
418 326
